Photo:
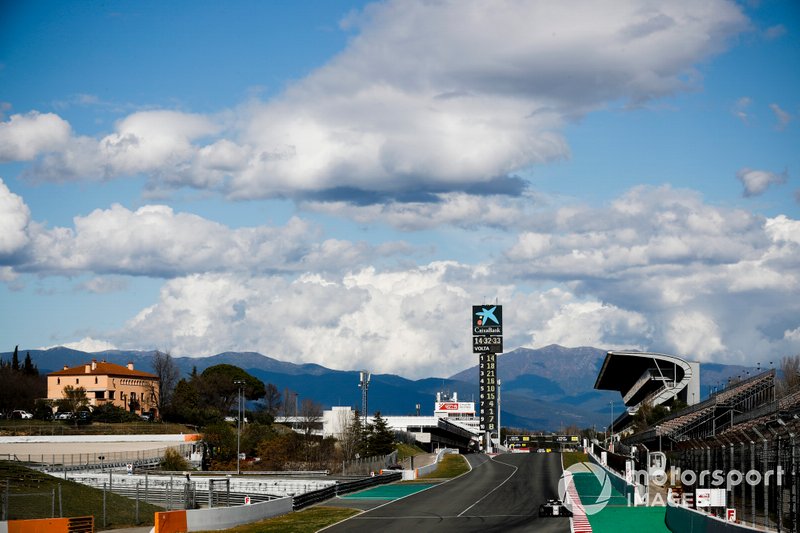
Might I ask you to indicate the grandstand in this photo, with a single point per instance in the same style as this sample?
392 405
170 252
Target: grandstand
646 377
715 414
745 428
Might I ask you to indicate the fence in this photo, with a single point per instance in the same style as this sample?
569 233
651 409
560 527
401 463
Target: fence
41 503
61 462
366 465
304 500
757 468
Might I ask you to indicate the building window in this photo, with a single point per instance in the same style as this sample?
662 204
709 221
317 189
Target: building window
58 381
111 394
77 380
95 380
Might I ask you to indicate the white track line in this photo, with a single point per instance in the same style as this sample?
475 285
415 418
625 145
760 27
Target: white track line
494 489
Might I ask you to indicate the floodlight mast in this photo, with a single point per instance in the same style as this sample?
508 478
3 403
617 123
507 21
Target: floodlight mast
239 383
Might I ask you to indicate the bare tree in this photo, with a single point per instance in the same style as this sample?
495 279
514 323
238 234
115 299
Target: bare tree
790 374
272 399
351 437
310 415
167 372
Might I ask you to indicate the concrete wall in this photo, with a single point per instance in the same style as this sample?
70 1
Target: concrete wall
684 520
227 517
56 439
431 467
219 517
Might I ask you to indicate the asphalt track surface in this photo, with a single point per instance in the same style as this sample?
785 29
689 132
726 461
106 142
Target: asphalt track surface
501 493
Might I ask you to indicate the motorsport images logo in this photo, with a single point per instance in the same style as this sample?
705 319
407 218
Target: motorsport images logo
601 480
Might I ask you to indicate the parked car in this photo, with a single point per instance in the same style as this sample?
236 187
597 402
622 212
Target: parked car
20 414
147 417
64 415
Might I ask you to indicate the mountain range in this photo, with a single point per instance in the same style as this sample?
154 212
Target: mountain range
548 388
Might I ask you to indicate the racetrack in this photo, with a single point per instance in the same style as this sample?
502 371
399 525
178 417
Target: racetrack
502 493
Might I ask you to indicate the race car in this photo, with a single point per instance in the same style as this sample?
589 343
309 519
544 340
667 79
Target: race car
554 508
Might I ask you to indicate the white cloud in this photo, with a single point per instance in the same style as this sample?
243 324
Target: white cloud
23 137
104 285
156 241
428 97
775 32
696 334
14 219
740 109
783 117
757 181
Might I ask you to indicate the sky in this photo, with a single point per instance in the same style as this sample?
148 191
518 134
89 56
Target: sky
338 182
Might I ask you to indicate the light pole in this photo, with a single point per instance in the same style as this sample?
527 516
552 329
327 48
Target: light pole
239 383
611 428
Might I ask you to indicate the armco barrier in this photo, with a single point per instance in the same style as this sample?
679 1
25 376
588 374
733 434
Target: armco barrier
684 520
220 517
80 524
304 500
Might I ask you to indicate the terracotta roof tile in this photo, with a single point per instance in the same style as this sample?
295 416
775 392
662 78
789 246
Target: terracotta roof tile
102 368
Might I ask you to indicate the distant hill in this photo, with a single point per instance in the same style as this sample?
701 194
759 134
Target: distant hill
547 388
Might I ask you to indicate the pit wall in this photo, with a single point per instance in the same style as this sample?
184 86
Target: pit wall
634 493
684 520
219 517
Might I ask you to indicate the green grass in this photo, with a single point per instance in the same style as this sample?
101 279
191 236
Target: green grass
452 465
407 450
571 458
76 499
306 521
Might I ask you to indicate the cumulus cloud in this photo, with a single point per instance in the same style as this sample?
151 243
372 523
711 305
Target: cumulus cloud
756 182
14 219
428 97
23 137
156 241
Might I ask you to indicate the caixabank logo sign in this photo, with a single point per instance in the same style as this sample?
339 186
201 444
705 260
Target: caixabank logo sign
487 320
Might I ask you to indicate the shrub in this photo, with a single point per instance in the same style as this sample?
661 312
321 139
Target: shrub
173 461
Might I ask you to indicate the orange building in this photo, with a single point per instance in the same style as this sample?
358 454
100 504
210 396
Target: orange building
104 383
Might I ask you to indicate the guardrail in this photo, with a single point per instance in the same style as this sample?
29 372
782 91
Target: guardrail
304 500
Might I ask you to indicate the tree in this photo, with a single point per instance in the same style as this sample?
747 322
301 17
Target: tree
310 415
221 440
272 399
15 359
28 368
381 439
167 372
219 390
790 375
74 398
352 439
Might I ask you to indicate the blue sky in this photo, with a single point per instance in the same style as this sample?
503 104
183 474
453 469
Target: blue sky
338 182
